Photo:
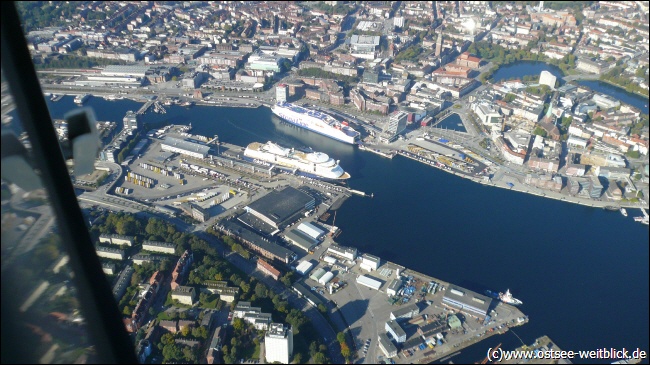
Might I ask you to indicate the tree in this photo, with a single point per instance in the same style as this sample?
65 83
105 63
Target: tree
185 330
313 348
297 358
345 350
320 358
322 308
260 290
238 324
172 352
340 337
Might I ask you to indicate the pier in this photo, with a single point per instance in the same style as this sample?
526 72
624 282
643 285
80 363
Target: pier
145 107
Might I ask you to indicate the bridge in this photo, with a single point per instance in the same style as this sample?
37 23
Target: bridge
145 107
581 77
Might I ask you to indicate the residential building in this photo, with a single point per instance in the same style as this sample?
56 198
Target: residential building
163 247
268 269
278 343
184 294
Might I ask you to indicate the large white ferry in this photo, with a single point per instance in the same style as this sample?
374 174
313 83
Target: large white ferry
316 121
312 164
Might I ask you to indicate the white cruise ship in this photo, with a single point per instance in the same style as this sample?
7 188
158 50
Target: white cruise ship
316 121
80 99
312 164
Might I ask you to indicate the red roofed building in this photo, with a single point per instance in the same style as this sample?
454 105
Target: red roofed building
467 60
267 269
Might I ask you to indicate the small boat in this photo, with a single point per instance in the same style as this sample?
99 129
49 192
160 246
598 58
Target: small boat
612 208
624 212
509 299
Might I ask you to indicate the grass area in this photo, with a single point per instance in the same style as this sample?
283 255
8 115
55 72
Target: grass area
211 302
457 106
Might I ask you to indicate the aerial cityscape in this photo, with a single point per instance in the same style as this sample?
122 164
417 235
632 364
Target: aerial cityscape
335 181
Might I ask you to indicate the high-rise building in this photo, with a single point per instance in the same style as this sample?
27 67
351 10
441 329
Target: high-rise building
279 343
281 92
396 124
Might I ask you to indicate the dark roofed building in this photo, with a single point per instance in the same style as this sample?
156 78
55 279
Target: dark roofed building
280 207
255 242
300 240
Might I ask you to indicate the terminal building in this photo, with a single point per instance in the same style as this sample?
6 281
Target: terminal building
183 147
467 301
279 343
280 208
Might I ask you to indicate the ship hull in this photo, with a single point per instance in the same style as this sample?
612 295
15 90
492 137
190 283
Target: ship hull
297 170
307 126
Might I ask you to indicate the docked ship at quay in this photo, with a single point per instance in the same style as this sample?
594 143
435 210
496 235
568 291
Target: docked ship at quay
316 121
311 164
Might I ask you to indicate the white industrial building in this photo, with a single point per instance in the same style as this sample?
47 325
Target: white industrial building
278 343
371 283
370 262
349 253
329 259
311 230
192 149
326 278
394 287
304 267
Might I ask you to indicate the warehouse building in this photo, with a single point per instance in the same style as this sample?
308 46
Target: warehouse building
371 283
304 267
316 275
311 230
300 240
467 301
183 147
280 208
394 287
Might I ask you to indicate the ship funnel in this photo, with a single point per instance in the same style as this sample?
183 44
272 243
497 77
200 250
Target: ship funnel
338 161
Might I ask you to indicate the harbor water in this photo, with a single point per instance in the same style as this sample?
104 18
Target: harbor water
581 272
